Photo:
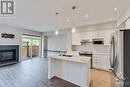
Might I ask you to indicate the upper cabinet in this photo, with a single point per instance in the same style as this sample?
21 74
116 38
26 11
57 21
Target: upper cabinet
97 34
105 34
86 35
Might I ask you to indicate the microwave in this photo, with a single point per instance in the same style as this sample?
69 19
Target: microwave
97 41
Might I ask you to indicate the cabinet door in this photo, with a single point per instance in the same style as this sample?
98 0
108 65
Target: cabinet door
98 34
76 39
77 73
107 38
96 62
101 61
106 34
86 35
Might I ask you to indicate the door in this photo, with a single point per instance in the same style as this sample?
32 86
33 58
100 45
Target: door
115 51
127 58
30 46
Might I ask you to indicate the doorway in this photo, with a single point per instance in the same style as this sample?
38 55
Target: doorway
30 46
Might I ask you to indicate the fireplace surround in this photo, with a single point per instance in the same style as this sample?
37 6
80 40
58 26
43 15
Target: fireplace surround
9 54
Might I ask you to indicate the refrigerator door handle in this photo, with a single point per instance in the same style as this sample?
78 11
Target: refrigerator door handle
112 53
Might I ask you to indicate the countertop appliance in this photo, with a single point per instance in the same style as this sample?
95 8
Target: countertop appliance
87 54
97 41
120 56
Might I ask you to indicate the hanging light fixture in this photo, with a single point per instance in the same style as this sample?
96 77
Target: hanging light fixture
74 26
56 31
73 30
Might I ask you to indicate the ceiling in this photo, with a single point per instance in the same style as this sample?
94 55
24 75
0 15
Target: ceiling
40 15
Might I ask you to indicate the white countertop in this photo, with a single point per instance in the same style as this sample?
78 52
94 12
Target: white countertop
78 59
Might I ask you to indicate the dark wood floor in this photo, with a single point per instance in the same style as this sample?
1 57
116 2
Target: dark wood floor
29 73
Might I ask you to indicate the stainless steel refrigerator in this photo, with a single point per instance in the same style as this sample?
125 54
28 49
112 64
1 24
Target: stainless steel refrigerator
120 56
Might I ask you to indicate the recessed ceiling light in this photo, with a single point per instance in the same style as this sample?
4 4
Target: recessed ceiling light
68 20
110 19
115 9
86 16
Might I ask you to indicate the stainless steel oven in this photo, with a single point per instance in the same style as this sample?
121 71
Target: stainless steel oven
87 54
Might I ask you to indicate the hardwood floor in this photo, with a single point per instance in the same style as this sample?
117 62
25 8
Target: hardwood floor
101 78
29 73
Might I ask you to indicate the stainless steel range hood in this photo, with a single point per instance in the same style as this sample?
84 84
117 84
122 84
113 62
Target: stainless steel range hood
85 41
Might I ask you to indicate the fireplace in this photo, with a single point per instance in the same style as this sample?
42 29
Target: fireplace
9 54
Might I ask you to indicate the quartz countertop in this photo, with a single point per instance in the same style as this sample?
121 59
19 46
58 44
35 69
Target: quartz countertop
79 59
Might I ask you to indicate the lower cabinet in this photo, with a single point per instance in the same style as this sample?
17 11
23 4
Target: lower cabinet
101 61
74 72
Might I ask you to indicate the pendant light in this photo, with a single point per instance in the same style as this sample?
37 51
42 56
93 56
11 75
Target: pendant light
74 26
56 31
73 29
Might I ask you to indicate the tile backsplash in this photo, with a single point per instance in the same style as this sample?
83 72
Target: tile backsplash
92 48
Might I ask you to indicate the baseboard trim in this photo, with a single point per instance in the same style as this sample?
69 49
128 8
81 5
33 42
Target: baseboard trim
8 63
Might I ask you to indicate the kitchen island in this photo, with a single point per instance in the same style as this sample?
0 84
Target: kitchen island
73 69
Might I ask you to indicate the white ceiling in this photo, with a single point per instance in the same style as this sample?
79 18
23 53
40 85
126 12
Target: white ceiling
40 15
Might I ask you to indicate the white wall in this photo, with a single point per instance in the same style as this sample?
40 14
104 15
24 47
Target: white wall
57 42
128 24
125 16
17 32
67 33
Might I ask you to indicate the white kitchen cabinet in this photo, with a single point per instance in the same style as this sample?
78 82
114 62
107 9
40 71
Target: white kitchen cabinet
98 34
101 61
76 39
105 34
107 38
73 71
86 35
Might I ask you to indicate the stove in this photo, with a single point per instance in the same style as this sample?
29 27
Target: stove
87 54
